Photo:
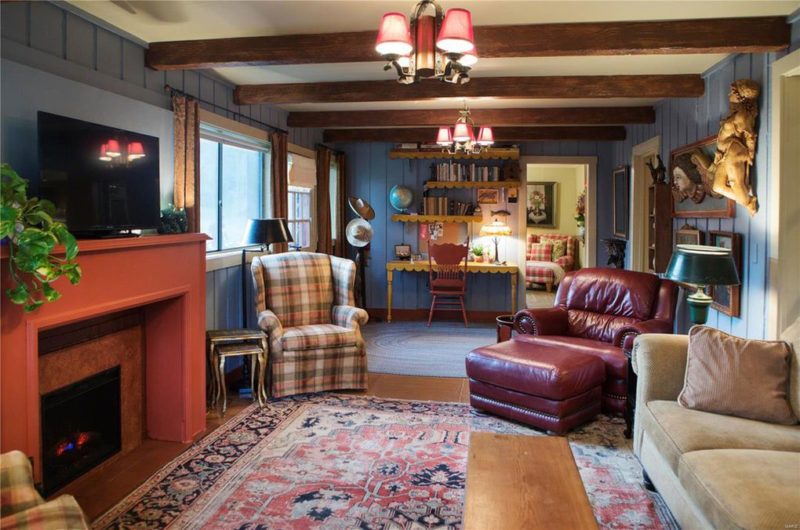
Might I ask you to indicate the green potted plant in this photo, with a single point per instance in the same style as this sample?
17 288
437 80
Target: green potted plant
477 251
31 234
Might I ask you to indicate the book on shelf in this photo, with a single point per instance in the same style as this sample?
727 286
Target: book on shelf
444 206
464 172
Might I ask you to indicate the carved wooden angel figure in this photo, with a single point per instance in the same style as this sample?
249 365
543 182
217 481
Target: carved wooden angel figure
729 173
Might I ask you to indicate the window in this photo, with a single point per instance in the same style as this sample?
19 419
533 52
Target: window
300 213
234 185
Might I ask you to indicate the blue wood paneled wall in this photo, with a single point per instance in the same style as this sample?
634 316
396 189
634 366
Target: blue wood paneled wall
683 121
371 174
51 37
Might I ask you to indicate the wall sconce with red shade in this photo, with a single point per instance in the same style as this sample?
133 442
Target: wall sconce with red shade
429 46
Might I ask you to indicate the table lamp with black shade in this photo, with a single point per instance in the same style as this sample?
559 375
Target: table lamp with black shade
701 266
262 232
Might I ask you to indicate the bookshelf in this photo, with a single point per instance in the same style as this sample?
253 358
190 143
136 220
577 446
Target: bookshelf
420 218
444 184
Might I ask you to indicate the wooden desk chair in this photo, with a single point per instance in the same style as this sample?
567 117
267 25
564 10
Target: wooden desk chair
448 282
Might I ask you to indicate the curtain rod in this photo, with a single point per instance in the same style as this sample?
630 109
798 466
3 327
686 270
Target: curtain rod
334 151
173 91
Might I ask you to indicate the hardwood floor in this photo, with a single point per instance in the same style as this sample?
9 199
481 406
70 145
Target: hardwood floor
105 486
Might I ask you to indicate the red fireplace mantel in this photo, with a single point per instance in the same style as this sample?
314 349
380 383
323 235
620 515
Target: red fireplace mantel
165 276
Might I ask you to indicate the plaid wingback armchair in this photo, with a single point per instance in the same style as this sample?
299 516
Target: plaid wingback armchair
306 305
21 506
537 255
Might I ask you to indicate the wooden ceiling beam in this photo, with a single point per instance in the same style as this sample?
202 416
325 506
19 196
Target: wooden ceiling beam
721 35
524 116
545 87
501 134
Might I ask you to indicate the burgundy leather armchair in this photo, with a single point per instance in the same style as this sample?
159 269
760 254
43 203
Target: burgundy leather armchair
600 311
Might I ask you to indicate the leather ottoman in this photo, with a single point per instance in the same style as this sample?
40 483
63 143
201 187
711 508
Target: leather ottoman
536 385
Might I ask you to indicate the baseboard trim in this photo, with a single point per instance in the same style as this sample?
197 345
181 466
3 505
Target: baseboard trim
379 315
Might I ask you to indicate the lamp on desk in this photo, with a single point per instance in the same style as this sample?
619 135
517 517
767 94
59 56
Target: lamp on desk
262 232
495 230
701 266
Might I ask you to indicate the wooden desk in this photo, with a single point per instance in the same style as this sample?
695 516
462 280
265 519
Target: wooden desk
472 268
524 483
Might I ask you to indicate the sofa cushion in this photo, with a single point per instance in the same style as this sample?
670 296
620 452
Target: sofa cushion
676 430
559 247
317 336
744 488
739 377
542 371
541 252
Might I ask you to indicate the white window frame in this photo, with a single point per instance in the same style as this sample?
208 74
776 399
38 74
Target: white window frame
312 193
245 138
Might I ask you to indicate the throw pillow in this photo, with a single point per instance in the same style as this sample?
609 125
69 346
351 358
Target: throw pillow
541 252
738 377
559 246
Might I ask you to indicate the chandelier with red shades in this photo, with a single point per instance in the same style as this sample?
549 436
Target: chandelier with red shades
429 46
462 137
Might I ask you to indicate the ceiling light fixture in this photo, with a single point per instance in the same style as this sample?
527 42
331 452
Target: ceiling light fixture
462 137
430 46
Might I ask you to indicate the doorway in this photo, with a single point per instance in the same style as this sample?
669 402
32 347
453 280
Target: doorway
548 200
783 304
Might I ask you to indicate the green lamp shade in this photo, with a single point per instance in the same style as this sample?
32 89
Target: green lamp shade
702 265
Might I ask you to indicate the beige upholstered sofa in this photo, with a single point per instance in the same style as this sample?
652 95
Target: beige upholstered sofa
713 471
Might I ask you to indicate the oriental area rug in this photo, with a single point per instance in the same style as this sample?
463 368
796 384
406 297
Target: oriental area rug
349 462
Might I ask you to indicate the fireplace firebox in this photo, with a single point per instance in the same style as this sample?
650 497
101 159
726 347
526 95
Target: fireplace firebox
81 428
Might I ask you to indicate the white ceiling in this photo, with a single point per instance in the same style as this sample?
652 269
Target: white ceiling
154 21
193 19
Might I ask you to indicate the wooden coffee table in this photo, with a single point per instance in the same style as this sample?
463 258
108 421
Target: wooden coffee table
524 482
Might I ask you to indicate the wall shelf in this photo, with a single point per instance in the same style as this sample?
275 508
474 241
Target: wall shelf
446 184
490 154
410 218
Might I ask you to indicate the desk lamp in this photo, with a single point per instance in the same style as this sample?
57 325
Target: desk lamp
701 266
496 229
262 232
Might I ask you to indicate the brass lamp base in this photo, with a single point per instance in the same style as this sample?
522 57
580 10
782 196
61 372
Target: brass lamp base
698 302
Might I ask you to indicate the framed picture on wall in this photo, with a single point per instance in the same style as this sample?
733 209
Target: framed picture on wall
402 251
540 204
692 194
725 298
621 196
688 235
488 195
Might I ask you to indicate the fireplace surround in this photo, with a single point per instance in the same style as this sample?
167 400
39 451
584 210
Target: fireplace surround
164 277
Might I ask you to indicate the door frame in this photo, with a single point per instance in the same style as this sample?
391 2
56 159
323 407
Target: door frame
639 219
590 167
780 191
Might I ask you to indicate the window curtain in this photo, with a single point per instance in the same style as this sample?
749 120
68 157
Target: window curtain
280 181
324 239
186 192
341 199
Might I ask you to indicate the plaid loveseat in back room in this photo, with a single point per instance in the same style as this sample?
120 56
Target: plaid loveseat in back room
538 252
306 305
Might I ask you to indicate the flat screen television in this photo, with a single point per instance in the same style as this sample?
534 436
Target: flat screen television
103 181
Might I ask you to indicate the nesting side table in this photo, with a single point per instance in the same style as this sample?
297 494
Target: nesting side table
224 343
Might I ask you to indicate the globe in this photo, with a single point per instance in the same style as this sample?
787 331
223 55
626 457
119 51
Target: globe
401 197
